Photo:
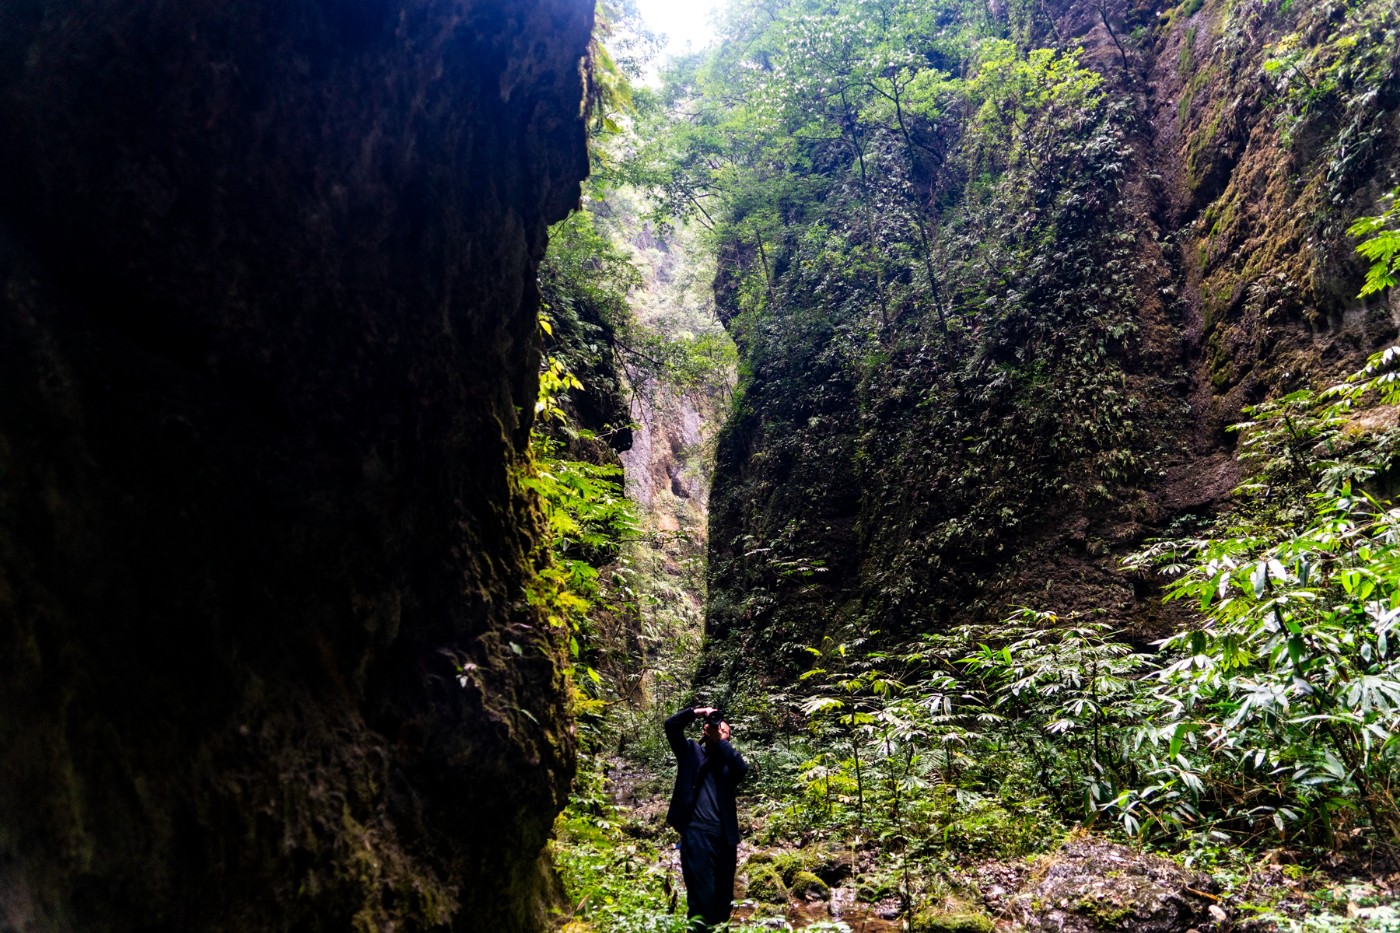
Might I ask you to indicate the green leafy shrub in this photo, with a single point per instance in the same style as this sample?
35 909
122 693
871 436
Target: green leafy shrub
1284 703
588 516
1333 70
1381 246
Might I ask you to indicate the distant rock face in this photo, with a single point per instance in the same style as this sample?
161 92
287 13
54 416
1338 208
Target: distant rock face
669 431
268 355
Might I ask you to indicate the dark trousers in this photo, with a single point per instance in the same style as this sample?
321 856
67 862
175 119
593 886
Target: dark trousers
707 865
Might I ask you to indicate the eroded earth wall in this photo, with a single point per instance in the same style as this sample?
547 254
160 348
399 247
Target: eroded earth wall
1174 255
267 363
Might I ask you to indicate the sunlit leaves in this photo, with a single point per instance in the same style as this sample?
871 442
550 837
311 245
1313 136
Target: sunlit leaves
587 515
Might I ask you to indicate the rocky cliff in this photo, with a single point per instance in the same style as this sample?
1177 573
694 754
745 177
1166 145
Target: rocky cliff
1094 286
268 358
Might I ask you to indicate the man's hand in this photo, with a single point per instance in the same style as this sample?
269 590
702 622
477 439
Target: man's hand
718 733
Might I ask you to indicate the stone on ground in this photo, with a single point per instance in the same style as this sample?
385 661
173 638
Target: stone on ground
1090 885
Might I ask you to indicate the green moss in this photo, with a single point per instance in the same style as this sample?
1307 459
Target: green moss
1202 148
1222 218
1105 913
1222 369
765 884
1186 61
808 885
1200 83
789 864
952 921
781 875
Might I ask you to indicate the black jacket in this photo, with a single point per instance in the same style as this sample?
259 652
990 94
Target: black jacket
729 768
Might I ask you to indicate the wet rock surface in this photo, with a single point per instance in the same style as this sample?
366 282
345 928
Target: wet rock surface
267 357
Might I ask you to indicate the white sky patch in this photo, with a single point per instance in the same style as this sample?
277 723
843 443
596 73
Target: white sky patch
687 24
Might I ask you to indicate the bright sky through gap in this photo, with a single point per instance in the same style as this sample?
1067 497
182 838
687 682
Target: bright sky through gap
685 23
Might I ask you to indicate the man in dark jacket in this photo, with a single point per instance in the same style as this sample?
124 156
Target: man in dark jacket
703 812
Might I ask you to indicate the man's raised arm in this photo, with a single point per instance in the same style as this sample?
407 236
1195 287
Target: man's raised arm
675 730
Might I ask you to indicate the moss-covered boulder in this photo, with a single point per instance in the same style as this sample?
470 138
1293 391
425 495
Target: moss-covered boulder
765 884
938 920
808 886
777 875
830 866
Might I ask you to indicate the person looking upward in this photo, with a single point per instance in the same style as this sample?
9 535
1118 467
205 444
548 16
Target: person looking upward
703 811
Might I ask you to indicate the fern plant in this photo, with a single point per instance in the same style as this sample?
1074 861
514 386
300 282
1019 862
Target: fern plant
1381 246
1069 694
588 516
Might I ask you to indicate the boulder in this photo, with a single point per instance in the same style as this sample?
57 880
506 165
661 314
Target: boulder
1090 885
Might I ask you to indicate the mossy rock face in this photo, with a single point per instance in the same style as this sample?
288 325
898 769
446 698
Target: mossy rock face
264 540
952 921
827 443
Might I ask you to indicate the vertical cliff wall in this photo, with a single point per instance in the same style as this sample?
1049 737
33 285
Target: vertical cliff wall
268 356
1117 271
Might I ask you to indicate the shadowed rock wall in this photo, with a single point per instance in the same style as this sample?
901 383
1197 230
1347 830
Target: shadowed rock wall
267 364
